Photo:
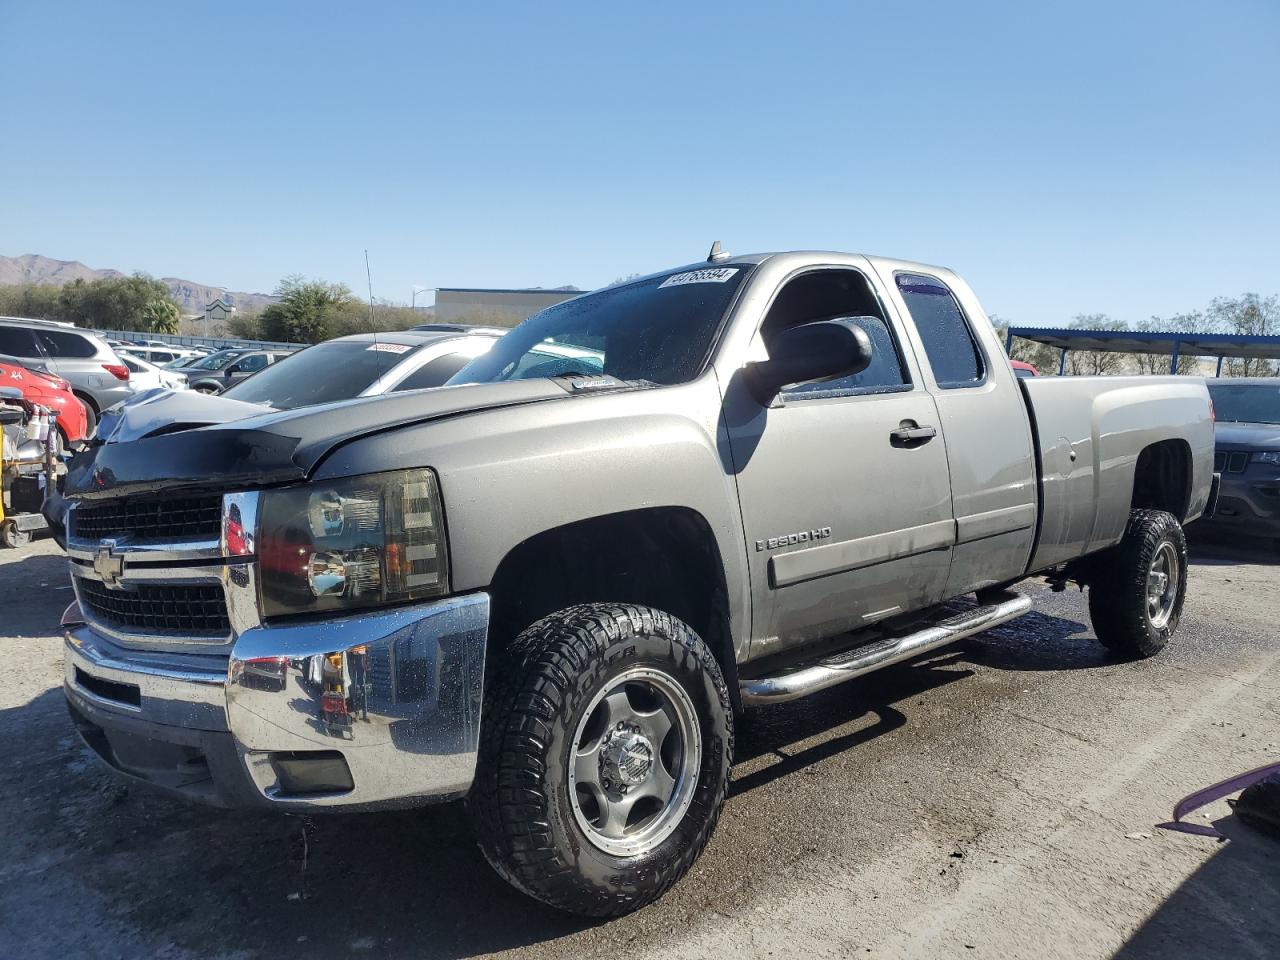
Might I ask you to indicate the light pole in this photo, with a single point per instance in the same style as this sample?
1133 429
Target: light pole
413 300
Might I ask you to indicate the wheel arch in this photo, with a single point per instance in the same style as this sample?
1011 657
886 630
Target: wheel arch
663 557
1162 478
87 399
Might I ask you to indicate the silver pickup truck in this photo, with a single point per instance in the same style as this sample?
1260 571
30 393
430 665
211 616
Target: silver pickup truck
549 587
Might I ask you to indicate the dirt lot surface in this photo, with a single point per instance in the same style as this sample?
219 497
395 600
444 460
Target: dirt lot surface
995 800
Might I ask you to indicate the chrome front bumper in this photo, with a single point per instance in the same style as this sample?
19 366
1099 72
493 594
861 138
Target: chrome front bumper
381 708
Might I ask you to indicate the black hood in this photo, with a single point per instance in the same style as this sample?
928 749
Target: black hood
164 440
1235 435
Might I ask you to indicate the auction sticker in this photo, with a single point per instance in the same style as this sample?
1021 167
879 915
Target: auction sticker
710 275
389 347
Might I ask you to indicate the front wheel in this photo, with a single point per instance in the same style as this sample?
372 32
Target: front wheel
1136 600
604 758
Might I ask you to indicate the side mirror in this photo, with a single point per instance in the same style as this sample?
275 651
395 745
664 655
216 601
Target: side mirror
811 351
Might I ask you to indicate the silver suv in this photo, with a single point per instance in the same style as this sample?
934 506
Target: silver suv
96 374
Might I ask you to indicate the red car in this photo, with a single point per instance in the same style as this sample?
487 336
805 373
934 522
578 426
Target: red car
1023 369
48 391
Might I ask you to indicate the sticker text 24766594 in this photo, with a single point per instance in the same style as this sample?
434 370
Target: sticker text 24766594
710 275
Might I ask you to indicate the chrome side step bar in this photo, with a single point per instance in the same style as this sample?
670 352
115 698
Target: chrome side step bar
809 678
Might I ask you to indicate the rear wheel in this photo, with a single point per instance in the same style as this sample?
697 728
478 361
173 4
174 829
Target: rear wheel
604 758
1136 599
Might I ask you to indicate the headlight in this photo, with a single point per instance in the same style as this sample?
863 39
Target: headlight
1267 456
357 542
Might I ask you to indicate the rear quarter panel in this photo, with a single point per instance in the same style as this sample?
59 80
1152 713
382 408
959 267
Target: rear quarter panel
1106 423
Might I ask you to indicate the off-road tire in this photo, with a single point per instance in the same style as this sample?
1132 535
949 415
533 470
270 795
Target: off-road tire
537 691
1118 603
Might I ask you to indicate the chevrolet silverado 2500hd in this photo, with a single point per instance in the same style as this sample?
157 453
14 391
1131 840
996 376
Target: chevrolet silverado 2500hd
548 586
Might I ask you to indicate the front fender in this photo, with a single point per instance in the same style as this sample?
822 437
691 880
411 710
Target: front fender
509 475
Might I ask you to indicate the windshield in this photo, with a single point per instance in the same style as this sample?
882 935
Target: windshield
1246 402
658 330
337 370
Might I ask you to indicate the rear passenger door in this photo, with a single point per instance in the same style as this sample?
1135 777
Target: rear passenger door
989 445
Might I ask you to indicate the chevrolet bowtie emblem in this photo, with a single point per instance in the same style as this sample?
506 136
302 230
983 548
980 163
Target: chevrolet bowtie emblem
108 564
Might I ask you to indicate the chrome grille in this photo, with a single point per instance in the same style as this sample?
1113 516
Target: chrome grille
170 519
190 609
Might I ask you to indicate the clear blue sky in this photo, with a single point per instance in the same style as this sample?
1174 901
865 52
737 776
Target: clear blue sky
1117 157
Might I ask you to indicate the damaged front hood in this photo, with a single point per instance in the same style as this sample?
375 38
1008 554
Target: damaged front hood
173 441
161 409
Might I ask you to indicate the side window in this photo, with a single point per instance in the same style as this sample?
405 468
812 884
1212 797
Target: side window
59 344
434 372
948 341
17 342
885 373
845 295
253 363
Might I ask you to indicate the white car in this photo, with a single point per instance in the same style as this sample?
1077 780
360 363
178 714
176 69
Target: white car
370 364
157 353
144 375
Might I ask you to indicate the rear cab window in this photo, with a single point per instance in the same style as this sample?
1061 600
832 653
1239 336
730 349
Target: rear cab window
949 343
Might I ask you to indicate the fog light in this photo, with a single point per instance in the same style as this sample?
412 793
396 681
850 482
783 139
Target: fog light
312 771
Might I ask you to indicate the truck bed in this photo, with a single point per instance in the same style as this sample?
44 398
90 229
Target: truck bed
1089 433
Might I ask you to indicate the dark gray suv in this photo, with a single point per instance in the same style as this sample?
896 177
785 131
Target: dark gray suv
81 357
226 368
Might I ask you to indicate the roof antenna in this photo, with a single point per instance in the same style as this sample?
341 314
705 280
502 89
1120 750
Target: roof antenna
716 254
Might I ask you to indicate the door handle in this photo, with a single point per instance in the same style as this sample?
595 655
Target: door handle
909 432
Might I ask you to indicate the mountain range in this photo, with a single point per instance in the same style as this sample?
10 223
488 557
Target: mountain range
190 296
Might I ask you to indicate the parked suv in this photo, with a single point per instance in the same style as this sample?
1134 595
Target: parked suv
231 366
80 357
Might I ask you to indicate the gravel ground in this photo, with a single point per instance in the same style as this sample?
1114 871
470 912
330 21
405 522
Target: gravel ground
994 800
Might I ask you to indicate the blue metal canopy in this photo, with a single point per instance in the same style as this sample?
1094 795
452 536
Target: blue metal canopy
1172 343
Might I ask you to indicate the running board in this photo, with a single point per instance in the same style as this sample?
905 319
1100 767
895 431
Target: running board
804 679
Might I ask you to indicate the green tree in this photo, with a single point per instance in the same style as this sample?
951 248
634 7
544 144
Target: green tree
1158 363
1247 314
308 310
160 316
1093 362
38 301
111 303
1040 355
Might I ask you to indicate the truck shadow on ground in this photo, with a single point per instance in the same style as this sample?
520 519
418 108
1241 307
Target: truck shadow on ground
1216 550
408 883
1229 906
45 577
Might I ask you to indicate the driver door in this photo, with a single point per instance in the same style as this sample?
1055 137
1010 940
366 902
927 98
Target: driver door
845 523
